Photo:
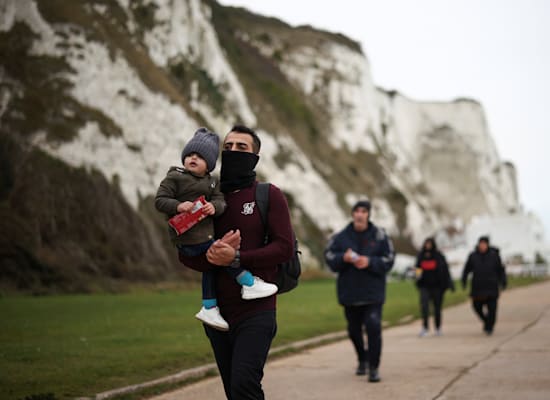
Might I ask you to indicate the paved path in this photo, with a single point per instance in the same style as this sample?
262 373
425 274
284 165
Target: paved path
513 363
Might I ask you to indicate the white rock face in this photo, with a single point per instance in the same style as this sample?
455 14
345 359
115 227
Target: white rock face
300 178
340 79
440 156
183 28
153 128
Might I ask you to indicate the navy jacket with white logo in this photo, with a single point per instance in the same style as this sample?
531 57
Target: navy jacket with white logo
361 286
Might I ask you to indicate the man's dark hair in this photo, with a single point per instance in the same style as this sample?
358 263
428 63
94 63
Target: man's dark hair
484 239
362 203
257 144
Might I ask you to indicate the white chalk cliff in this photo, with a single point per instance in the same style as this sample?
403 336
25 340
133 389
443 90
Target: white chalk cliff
431 165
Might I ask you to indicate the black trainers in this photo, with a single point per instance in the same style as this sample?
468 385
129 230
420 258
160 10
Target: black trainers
374 376
361 368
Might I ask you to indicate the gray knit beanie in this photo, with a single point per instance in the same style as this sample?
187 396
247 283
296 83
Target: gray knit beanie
205 143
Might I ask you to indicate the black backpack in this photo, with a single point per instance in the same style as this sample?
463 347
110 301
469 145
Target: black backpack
289 271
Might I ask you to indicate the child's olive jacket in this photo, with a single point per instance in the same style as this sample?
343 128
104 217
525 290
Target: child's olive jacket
180 185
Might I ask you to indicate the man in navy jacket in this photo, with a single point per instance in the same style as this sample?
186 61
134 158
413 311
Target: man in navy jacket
362 255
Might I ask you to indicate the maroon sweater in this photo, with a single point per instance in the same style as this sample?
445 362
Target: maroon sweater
243 214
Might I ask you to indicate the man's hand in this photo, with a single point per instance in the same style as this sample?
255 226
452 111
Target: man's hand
220 253
232 238
350 256
362 262
209 208
185 206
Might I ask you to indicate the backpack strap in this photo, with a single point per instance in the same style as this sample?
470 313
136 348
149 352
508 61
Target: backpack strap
262 201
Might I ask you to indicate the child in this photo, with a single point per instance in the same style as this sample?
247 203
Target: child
176 194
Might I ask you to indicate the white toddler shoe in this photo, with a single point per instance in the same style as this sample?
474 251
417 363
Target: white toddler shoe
213 318
259 289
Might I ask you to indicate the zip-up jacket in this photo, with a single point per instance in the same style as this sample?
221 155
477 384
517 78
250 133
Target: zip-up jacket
361 286
180 185
488 273
434 271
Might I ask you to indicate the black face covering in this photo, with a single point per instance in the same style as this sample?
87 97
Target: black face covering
237 170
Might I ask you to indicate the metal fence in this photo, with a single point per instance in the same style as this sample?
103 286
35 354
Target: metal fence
534 270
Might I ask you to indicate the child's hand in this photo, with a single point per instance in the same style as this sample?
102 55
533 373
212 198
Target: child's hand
209 208
185 206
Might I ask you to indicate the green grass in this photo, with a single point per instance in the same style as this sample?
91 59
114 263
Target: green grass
80 345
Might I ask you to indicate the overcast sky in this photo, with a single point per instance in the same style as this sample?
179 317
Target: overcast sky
497 52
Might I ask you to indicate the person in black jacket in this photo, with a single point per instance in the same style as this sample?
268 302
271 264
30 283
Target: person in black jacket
433 278
362 255
488 274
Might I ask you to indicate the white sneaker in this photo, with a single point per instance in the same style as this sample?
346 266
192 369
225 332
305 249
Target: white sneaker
259 289
438 332
423 332
213 318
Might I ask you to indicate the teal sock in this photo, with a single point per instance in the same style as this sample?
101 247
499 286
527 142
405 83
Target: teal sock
245 278
209 303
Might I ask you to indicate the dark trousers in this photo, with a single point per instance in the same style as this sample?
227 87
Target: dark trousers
486 309
241 354
434 296
368 316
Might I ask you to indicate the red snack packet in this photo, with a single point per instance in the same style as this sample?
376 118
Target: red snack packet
184 221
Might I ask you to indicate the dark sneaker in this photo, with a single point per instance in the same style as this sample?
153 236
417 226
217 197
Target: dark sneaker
374 376
361 368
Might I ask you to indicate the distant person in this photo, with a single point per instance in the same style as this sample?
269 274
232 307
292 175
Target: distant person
362 255
432 279
242 351
176 194
488 274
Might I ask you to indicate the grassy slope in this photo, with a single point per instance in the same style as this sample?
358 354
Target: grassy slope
80 345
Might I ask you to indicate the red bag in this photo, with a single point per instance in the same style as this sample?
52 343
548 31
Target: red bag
184 221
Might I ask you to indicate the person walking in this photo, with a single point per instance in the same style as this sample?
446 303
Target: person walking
362 255
241 352
432 279
178 193
488 274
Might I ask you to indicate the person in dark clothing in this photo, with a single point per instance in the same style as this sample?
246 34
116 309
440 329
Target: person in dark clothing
242 351
362 255
433 278
488 274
